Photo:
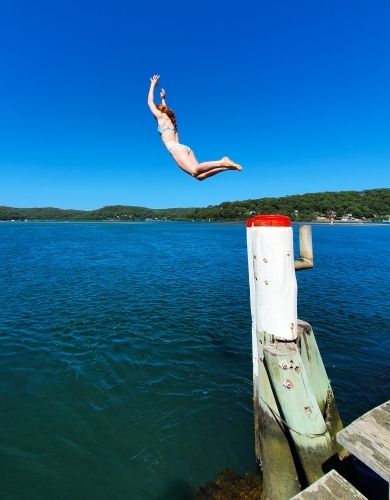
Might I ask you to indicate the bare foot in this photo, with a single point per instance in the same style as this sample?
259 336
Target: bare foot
227 162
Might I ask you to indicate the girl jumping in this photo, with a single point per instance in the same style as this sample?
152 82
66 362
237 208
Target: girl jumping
182 154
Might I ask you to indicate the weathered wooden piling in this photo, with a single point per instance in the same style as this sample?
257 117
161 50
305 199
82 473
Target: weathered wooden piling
254 349
271 435
319 382
295 414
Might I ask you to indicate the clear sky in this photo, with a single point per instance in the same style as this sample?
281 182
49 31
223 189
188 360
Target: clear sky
298 92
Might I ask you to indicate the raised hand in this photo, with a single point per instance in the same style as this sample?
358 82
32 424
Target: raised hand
154 80
162 94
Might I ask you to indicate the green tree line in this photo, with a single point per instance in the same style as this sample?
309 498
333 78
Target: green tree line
373 204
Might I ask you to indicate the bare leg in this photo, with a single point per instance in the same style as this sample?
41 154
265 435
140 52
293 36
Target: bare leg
201 171
215 171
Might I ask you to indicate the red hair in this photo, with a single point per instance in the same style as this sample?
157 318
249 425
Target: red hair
171 115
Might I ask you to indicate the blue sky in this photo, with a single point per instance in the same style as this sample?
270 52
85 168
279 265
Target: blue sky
296 92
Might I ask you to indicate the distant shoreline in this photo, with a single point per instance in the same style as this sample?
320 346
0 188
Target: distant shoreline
371 205
229 223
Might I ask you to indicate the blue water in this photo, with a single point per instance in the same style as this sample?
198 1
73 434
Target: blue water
125 351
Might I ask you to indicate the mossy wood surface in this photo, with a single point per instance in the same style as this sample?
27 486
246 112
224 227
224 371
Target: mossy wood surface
368 438
280 478
300 408
319 382
332 486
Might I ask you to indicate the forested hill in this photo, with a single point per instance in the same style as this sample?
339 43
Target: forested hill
371 204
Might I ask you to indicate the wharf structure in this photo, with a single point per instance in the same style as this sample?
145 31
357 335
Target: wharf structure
298 442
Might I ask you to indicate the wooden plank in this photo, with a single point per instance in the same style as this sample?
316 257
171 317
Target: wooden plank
368 438
332 486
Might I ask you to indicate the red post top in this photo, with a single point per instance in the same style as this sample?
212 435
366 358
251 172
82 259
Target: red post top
269 221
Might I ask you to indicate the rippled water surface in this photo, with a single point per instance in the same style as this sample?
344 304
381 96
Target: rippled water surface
125 351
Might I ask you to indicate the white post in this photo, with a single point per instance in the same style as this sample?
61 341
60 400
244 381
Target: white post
274 315
305 260
274 273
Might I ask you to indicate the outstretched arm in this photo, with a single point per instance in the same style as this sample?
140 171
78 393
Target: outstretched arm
162 96
152 106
